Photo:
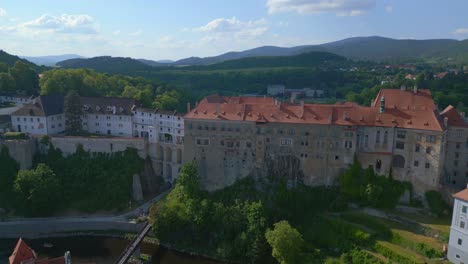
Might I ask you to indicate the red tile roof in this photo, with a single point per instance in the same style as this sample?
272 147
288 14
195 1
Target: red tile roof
453 117
405 109
22 253
463 195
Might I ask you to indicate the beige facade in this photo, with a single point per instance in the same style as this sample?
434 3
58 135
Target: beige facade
316 154
317 149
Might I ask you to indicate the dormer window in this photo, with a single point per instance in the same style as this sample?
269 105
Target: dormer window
121 109
98 108
109 108
86 107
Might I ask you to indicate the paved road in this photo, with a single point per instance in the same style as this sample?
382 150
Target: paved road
31 227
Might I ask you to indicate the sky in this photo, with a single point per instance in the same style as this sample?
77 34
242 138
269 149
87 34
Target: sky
175 29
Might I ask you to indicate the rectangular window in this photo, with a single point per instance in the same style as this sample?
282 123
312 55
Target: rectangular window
460 241
416 163
401 134
286 142
400 145
417 147
203 141
430 138
462 224
427 165
464 209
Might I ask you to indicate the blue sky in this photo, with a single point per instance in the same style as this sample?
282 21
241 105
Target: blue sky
177 29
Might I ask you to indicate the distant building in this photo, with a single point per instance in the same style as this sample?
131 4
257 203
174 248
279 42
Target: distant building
42 116
15 98
458 241
23 254
410 77
441 75
276 89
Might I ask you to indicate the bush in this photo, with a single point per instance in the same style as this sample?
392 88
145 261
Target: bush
382 230
359 256
15 135
436 203
397 254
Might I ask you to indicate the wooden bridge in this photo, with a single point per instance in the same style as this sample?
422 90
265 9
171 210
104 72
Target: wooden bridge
134 245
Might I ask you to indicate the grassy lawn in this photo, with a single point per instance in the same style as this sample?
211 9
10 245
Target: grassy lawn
401 241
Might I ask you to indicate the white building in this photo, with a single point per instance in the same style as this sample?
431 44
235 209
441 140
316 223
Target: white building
16 99
107 115
276 89
158 125
42 116
458 241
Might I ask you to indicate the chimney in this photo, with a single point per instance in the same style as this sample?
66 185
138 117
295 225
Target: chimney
403 87
344 116
196 103
302 103
462 114
415 89
217 109
188 107
446 122
382 105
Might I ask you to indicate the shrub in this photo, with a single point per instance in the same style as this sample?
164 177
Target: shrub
15 135
397 254
370 222
436 203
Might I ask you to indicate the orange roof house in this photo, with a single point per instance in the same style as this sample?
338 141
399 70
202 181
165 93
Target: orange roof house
23 254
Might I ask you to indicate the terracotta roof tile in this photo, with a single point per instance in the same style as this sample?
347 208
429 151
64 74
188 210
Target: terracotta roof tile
21 253
463 195
422 116
453 117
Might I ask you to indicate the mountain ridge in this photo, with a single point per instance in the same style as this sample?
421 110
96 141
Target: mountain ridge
372 48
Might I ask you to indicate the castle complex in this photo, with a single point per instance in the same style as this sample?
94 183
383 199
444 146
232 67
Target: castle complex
401 132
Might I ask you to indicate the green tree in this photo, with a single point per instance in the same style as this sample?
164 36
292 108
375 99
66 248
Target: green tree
286 242
168 100
9 169
3 67
26 78
73 112
38 190
130 91
7 83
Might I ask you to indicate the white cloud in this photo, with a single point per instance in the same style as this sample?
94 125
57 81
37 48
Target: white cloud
136 33
234 26
389 8
70 24
337 7
116 33
2 12
461 31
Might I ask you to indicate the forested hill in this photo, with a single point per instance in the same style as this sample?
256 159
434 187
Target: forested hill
401 50
135 67
10 60
107 64
310 59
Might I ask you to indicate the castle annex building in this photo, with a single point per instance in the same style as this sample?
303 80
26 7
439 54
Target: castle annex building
233 137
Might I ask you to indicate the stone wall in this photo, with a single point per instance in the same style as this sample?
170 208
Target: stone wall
105 145
22 151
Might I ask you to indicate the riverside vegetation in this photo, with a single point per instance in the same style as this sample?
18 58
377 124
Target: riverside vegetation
260 221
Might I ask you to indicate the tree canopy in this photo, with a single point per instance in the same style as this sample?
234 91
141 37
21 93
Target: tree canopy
286 242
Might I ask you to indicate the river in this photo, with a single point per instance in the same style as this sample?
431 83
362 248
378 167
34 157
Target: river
101 250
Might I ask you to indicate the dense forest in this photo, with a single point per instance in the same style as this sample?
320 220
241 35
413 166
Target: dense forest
83 181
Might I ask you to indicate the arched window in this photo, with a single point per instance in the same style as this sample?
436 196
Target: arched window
385 137
398 161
